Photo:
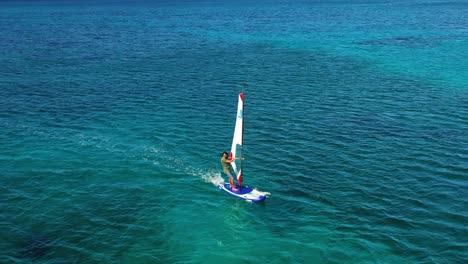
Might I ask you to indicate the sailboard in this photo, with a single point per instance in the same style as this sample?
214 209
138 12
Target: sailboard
244 192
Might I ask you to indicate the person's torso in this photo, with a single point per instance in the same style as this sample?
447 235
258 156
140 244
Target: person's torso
225 164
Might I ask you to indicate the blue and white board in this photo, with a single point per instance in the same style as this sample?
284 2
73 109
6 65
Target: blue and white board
245 192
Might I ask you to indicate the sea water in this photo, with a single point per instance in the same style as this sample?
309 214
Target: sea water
114 115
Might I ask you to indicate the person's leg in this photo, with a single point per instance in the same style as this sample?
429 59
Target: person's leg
231 181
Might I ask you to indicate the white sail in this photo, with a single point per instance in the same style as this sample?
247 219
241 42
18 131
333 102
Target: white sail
237 140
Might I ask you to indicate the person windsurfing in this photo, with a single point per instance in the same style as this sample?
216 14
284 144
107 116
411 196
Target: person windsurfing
226 164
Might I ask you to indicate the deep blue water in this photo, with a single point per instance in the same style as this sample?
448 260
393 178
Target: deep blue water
113 118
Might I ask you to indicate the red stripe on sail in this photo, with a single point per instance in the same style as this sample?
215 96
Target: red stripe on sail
241 96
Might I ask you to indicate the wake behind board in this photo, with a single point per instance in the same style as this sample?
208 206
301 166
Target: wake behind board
245 192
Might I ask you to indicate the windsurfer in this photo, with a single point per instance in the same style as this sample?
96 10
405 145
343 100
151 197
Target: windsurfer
225 162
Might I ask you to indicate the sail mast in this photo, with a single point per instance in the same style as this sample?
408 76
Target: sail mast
237 140
239 179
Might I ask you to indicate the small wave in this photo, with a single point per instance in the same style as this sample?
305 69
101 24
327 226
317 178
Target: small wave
262 193
212 176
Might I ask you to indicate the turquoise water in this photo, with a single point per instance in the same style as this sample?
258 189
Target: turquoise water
114 117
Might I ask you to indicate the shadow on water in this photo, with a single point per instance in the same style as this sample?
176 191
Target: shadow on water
22 243
102 228
35 246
